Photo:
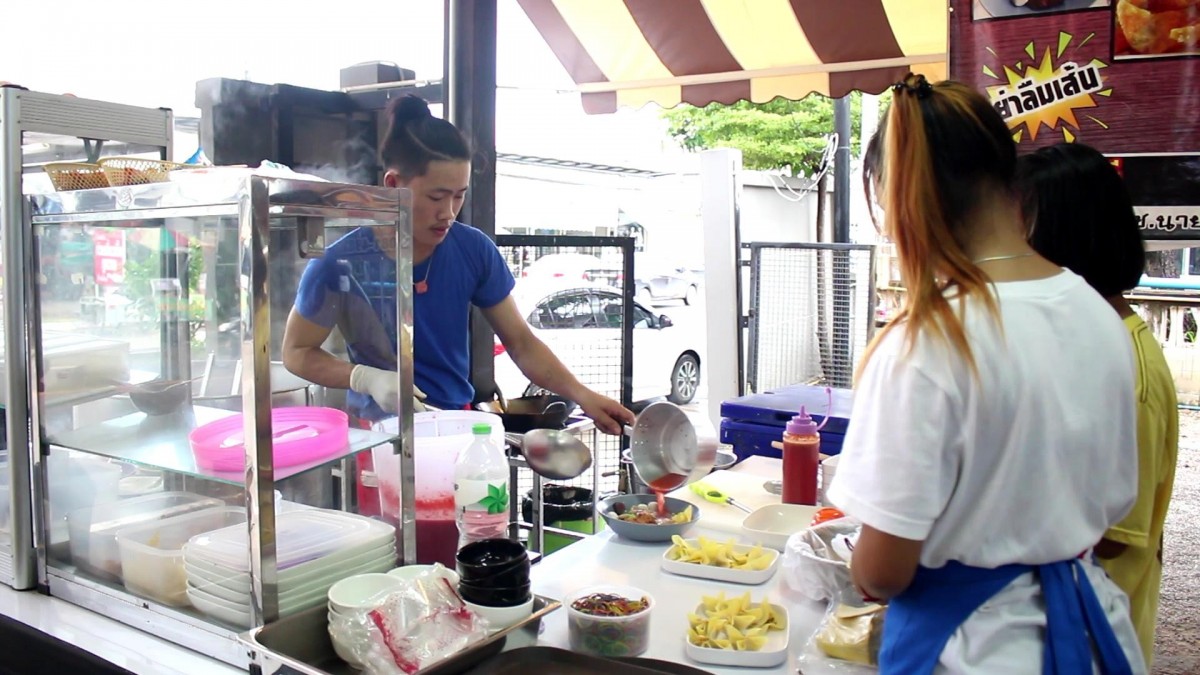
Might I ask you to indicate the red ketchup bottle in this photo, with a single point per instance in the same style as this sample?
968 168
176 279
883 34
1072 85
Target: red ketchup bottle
801 459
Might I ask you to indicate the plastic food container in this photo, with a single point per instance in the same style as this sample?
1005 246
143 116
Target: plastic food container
301 434
609 636
152 553
300 537
94 530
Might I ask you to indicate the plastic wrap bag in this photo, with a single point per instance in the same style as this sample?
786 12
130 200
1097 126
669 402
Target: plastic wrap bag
410 629
847 641
816 560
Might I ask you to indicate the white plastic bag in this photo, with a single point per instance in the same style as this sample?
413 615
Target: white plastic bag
816 560
411 629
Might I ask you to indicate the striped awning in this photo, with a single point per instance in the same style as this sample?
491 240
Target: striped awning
633 52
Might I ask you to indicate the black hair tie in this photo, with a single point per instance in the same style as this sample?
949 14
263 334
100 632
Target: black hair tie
914 84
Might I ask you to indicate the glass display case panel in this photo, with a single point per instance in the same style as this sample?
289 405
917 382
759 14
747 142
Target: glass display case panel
147 472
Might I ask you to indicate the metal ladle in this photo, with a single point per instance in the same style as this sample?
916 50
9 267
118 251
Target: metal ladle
557 455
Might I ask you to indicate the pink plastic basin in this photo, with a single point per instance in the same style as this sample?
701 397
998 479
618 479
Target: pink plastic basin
300 435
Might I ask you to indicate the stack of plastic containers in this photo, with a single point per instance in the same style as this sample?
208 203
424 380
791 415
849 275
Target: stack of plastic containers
315 549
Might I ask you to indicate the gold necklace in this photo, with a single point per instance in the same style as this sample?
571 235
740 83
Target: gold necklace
1004 257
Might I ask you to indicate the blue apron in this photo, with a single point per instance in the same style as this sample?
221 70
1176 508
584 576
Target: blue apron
921 620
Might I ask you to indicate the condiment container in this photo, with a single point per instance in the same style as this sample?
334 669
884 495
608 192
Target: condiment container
609 636
152 553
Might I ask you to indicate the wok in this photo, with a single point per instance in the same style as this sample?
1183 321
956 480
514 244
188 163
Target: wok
527 413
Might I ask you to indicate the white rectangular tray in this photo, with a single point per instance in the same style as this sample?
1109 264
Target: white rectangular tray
773 653
749 577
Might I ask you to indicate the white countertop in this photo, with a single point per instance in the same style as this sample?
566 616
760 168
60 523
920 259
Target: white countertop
608 559
122 645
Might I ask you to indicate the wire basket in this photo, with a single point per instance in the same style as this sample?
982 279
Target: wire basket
122 171
69 176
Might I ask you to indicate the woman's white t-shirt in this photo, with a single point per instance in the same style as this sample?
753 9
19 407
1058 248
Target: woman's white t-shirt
1029 462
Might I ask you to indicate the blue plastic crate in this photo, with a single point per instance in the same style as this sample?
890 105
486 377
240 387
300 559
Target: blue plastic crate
751 423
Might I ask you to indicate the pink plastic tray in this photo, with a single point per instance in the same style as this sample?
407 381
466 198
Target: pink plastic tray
301 435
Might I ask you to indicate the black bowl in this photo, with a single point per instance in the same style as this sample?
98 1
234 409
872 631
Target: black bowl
510 574
494 596
490 554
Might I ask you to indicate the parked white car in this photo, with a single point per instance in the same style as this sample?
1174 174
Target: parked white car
582 325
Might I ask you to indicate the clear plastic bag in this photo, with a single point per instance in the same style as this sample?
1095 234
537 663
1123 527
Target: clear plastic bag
816 561
848 640
410 629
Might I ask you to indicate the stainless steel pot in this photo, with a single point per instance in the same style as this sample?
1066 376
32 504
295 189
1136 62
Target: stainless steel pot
666 450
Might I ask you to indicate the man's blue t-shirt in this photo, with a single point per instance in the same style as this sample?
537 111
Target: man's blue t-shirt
353 287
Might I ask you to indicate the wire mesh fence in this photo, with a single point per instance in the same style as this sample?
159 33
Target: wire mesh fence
577 294
812 312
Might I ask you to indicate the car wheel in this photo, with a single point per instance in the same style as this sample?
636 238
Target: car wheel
644 297
685 380
691 296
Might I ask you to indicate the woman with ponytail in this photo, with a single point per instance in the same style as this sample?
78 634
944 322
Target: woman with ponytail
993 440
455 266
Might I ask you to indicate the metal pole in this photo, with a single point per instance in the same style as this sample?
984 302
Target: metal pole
841 235
16 386
471 105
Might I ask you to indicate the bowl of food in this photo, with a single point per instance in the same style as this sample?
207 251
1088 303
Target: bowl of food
637 517
609 621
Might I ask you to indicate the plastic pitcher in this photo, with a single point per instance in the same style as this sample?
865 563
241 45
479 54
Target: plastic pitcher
437 438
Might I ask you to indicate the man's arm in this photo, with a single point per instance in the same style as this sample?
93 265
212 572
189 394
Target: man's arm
545 369
304 357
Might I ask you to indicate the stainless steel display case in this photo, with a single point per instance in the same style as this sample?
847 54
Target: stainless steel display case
37 128
220 239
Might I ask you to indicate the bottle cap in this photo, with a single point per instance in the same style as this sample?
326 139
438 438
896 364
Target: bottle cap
802 424
482 430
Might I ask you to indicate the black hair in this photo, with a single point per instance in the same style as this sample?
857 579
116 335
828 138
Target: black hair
1082 216
415 138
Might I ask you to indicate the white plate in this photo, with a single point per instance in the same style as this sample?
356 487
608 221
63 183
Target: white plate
334 565
774 523
751 577
773 653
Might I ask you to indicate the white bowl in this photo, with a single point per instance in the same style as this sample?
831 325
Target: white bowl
361 591
344 653
410 572
774 523
499 618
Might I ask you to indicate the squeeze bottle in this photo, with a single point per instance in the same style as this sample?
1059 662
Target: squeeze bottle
801 459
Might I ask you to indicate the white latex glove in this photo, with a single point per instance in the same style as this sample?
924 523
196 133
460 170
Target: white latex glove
381 385
418 399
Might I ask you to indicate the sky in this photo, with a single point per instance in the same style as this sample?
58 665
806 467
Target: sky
152 52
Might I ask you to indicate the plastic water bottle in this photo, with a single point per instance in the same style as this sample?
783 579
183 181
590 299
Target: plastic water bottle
481 489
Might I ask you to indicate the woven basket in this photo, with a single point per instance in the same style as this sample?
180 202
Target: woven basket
69 176
135 170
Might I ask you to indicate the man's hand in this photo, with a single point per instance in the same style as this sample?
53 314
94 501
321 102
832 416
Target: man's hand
609 415
381 385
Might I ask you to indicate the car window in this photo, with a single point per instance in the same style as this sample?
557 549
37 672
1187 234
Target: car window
642 318
609 310
569 310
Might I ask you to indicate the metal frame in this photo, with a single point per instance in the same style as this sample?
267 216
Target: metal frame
842 344
253 201
96 122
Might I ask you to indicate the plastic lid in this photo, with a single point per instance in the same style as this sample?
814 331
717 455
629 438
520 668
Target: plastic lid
300 536
802 424
481 429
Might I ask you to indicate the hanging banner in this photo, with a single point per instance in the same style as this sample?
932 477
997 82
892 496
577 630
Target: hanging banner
109 247
1120 75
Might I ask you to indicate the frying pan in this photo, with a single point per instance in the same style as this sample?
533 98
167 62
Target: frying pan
527 413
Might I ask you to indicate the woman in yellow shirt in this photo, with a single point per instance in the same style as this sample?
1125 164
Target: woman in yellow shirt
1084 221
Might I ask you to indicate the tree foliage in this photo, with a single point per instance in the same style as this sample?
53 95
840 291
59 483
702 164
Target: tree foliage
779 135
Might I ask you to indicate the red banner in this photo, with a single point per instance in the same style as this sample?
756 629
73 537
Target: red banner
109 255
1120 75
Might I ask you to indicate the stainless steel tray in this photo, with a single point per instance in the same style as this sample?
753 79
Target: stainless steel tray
299 644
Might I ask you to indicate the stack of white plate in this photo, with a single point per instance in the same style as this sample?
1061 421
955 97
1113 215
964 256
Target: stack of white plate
315 549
